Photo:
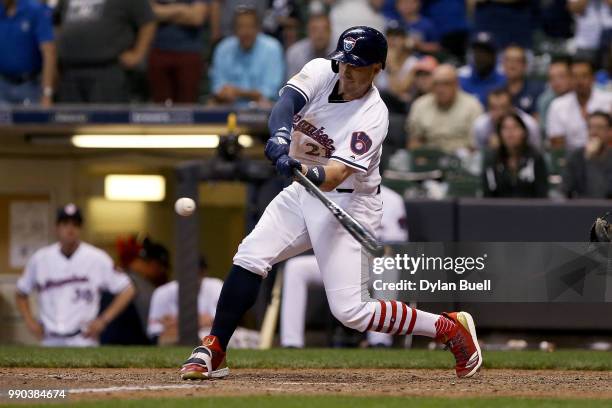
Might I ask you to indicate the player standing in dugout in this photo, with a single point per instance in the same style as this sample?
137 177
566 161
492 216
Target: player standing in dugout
330 123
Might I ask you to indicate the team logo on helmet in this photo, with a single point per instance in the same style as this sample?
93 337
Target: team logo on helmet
349 44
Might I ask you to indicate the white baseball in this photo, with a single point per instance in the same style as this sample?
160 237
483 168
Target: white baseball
184 206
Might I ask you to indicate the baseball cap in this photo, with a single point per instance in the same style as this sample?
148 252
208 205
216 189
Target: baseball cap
394 27
69 212
153 251
484 39
426 64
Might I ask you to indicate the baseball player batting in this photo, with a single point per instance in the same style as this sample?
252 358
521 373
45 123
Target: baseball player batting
329 123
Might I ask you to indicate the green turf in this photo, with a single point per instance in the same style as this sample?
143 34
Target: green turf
339 402
171 357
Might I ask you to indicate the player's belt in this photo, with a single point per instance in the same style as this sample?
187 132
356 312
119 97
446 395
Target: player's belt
63 335
350 190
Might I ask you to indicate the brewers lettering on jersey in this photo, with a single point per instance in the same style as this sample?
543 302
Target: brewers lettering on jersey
329 123
329 128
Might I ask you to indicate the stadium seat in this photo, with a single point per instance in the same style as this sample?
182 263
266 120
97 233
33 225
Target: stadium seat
557 160
426 159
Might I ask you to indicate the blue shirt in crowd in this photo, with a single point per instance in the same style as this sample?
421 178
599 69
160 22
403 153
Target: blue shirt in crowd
603 80
527 98
448 16
478 86
389 11
424 29
261 68
21 36
182 38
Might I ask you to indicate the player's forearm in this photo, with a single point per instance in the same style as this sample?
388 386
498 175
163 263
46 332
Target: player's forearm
281 117
182 14
333 179
118 304
49 66
333 175
144 39
23 305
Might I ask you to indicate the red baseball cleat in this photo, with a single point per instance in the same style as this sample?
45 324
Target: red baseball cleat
206 361
458 332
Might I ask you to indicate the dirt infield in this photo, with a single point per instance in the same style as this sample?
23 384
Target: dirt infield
88 383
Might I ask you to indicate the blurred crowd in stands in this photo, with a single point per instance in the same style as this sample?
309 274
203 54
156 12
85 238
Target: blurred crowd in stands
524 87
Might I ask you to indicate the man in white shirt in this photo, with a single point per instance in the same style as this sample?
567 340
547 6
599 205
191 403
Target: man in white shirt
68 277
566 124
163 312
317 45
591 18
347 13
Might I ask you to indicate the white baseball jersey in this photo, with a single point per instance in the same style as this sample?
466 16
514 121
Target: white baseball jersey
69 289
328 128
165 302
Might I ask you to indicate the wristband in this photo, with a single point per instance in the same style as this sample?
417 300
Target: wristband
284 133
316 174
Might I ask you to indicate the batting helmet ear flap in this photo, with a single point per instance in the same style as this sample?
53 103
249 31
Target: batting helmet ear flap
335 66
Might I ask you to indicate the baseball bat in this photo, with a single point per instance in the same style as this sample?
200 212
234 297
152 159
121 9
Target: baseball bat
362 235
268 326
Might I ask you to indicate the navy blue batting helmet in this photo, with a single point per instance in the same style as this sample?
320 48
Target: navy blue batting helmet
360 46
